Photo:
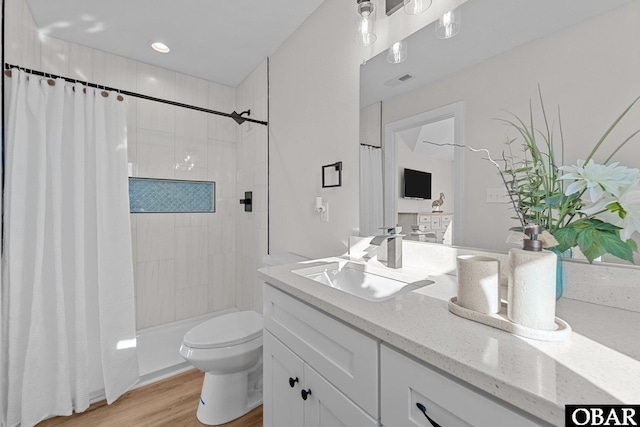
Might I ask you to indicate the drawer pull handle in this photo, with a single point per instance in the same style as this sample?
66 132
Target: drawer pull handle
424 411
305 394
293 382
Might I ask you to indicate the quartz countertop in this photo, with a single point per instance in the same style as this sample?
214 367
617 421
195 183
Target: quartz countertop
599 364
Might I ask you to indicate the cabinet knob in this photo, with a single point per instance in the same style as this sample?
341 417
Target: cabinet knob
293 382
423 409
307 393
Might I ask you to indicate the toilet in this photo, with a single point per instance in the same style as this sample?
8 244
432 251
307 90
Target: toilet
228 349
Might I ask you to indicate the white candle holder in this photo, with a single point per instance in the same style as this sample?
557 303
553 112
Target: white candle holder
478 283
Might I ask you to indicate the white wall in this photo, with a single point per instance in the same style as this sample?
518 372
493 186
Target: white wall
313 122
590 70
314 107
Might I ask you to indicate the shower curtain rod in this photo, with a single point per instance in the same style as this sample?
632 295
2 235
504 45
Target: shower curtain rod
369 145
238 117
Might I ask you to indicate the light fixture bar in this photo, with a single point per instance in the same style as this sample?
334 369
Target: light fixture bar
392 6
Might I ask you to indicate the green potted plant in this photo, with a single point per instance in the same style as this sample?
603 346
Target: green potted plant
592 206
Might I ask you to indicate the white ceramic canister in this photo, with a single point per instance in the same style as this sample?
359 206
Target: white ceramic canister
532 288
478 283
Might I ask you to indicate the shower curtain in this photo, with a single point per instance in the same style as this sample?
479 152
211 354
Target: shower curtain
371 209
68 320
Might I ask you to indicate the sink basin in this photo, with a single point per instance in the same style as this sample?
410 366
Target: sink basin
365 282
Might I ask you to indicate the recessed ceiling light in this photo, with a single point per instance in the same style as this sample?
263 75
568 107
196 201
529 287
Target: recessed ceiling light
160 47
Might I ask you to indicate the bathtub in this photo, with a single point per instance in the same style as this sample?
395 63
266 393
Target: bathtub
158 346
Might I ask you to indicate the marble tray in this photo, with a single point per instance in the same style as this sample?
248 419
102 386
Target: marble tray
500 321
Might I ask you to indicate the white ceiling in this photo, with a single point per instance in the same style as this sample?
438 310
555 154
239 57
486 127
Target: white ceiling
217 40
489 27
223 41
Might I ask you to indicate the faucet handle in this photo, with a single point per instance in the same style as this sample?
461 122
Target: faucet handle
394 229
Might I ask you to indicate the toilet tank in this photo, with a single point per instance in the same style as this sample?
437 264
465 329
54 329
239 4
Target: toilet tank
282 258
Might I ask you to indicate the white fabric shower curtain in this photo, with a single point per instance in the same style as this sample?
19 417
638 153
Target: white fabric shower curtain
371 202
68 319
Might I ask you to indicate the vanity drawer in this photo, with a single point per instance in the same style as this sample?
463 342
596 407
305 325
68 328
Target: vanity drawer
445 220
424 219
405 382
345 357
435 222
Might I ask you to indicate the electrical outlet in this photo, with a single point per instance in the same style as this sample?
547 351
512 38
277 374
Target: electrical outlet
497 195
324 215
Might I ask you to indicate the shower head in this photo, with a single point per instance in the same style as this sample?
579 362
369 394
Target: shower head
238 116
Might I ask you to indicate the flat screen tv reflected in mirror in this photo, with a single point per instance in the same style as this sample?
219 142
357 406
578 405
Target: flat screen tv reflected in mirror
417 184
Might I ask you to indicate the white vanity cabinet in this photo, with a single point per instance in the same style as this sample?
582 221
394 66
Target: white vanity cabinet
321 372
433 225
317 371
412 394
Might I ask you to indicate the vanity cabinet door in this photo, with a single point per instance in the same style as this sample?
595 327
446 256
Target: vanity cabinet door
326 406
283 376
348 359
413 394
295 395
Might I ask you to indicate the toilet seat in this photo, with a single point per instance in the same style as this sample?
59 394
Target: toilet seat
225 331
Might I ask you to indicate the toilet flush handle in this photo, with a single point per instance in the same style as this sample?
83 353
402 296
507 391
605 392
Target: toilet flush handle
293 382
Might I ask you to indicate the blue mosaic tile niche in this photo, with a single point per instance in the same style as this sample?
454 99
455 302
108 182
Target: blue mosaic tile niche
165 195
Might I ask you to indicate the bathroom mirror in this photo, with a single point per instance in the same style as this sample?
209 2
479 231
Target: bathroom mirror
582 54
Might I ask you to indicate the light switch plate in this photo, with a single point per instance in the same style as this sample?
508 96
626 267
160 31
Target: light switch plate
497 195
324 215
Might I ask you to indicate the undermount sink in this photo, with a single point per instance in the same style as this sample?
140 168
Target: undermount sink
359 280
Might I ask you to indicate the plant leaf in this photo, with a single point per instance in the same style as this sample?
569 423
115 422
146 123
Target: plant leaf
589 243
566 238
612 244
555 201
608 131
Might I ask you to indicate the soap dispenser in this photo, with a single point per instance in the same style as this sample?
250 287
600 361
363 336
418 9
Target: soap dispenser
531 293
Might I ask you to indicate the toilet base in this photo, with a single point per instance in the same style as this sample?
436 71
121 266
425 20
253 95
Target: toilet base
226 397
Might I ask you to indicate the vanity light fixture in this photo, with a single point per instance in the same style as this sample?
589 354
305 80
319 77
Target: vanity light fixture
397 52
160 47
415 7
365 23
449 24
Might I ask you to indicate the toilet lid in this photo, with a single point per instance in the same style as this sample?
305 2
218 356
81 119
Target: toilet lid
224 331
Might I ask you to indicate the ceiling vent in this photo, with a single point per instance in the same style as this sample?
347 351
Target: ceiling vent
396 81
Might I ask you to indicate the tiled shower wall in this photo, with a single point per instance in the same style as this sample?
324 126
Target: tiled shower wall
185 264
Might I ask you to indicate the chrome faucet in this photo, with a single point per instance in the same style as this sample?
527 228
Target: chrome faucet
394 245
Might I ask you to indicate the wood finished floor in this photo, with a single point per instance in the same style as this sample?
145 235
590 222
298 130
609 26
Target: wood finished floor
171 402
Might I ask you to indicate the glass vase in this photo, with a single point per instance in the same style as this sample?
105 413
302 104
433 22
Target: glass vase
559 280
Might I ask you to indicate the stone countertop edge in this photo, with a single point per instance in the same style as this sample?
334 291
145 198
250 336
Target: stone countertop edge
440 346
